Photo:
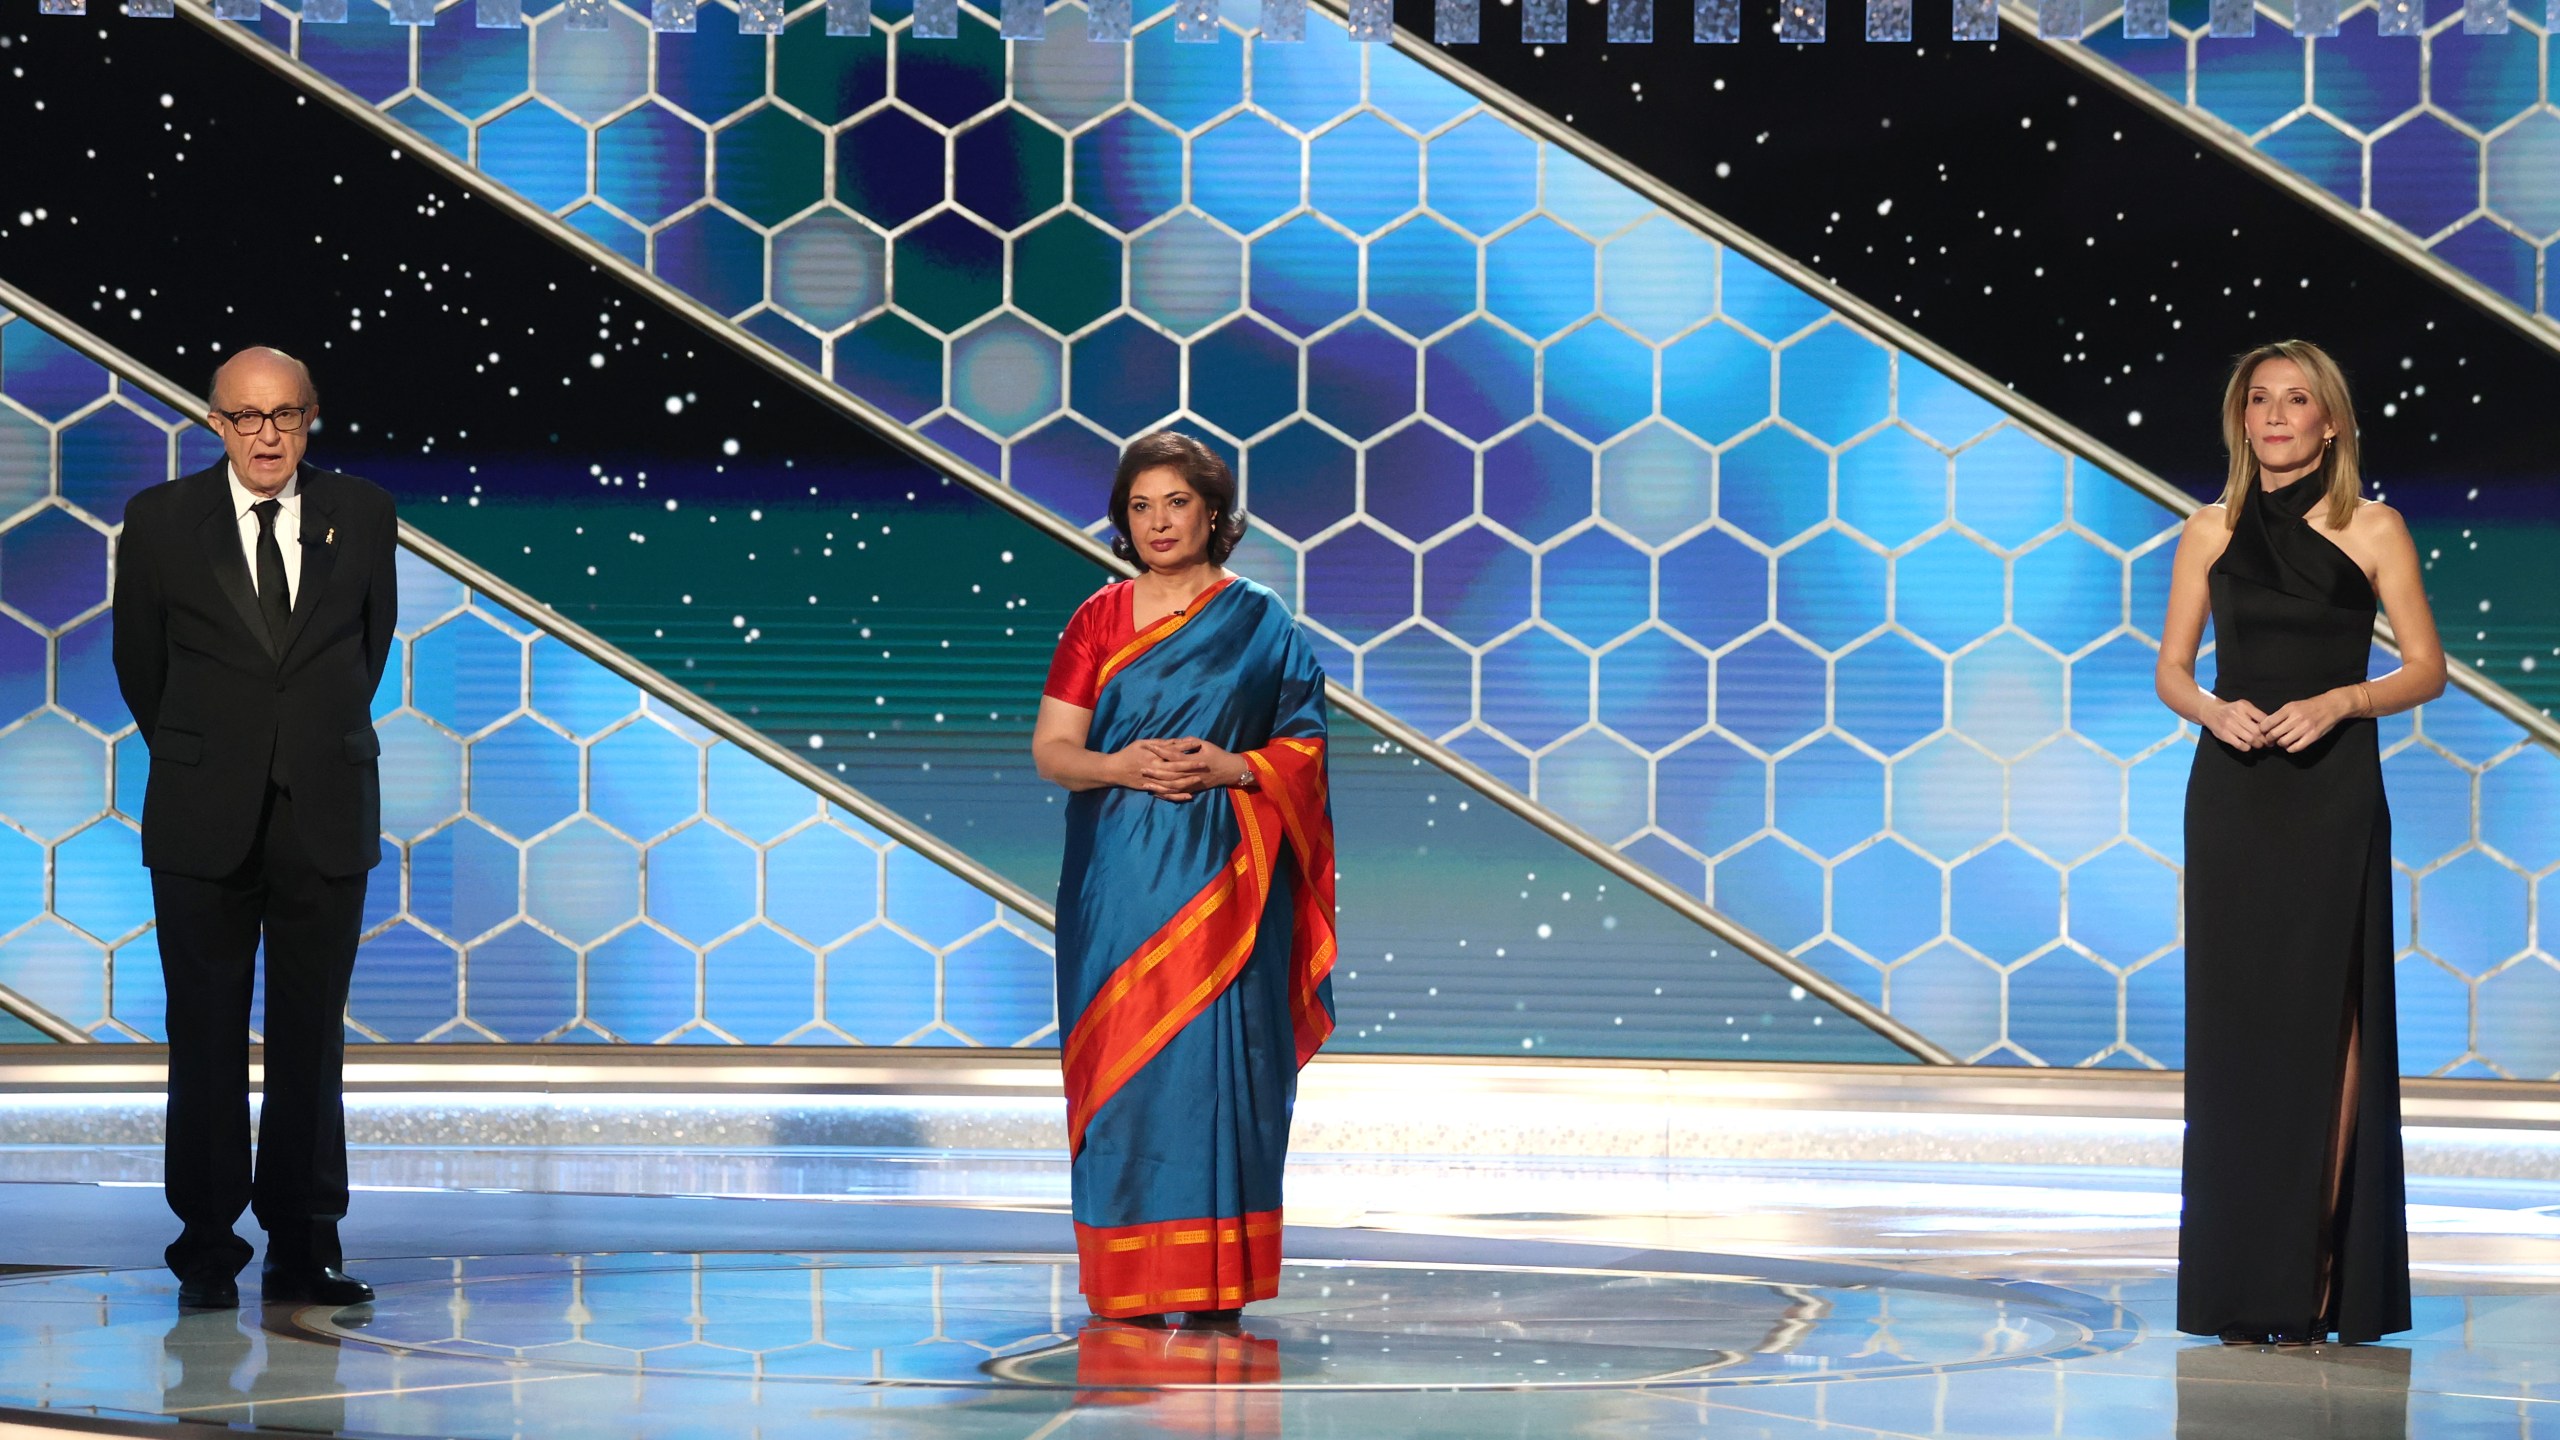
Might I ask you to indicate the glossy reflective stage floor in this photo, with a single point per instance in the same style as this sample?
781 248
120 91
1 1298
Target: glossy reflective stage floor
925 1296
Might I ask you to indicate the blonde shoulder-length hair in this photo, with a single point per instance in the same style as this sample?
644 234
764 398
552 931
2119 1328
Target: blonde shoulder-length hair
2341 462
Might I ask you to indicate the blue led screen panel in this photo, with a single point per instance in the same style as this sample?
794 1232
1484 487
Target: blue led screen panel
2443 136
1627 520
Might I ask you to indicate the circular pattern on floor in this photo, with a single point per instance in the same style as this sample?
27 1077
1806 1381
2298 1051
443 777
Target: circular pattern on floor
1016 1321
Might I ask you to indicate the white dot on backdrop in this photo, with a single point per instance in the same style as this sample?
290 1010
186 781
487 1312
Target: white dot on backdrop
2133 417
675 404
730 447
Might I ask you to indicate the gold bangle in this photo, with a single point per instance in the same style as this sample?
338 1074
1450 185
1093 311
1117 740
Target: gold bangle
2364 700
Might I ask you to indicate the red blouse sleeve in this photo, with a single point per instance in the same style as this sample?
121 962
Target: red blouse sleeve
1081 651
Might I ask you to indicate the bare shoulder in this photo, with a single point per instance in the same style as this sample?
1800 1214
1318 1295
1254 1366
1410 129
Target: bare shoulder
2206 531
2376 519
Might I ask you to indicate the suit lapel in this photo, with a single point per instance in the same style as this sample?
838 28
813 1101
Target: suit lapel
319 552
219 534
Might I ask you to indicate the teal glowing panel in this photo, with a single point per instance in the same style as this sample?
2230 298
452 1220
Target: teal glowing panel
1631 523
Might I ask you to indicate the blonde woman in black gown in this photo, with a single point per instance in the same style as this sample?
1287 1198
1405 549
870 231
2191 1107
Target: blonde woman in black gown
2294 1227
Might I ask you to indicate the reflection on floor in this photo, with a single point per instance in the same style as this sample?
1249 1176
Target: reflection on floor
1444 1299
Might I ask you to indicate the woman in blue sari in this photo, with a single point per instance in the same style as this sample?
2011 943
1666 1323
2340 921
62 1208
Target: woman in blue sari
1185 712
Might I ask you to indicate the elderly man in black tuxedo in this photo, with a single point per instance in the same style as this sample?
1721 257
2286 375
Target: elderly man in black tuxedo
254 604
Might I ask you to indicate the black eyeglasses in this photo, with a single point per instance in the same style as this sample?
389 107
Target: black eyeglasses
287 419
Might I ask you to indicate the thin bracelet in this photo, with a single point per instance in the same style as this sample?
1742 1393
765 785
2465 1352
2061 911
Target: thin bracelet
2364 700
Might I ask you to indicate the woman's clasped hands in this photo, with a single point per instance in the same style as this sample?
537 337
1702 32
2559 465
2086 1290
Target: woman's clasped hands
2292 727
1177 769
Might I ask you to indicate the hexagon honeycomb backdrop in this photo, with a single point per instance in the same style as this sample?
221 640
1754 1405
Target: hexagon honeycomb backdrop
1623 517
565 857
2447 136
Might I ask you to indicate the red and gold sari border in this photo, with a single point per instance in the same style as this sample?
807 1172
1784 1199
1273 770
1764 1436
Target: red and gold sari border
1292 782
1183 967
1156 634
1214 1263
1175 975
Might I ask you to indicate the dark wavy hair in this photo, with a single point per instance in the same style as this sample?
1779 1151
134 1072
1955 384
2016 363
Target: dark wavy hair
1200 468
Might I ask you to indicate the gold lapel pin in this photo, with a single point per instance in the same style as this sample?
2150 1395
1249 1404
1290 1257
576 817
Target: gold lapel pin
331 538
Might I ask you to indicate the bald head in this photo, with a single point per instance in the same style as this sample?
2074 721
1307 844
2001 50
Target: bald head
264 368
263 403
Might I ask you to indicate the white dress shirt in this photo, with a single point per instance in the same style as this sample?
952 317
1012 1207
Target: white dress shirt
288 529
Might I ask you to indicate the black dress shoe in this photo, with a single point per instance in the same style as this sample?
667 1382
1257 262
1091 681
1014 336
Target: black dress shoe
221 1293
1213 1319
320 1284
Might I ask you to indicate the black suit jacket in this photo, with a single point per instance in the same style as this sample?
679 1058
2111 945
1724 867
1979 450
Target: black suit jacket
220 705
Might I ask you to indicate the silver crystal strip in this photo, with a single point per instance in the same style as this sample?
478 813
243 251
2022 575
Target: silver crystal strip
2485 17
1719 22
588 15
324 12
151 9
1373 22
62 7
2060 19
235 9
1977 20
1284 22
2400 17
675 17
849 18
500 14
1195 22
2146 19
1630 22
1461 22
412 12
1024 20
936 20
1107 22
2233 20
762 17
1803 22
2315 19
1889 19
1543 22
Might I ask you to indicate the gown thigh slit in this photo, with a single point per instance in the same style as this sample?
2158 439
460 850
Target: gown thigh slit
2294 1197
2342 1146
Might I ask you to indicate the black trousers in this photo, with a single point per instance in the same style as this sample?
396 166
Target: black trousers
209 942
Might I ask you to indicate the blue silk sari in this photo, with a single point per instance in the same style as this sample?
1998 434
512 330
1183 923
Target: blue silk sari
1195 941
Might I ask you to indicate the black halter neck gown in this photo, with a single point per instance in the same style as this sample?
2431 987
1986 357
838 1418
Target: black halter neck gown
2288 910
